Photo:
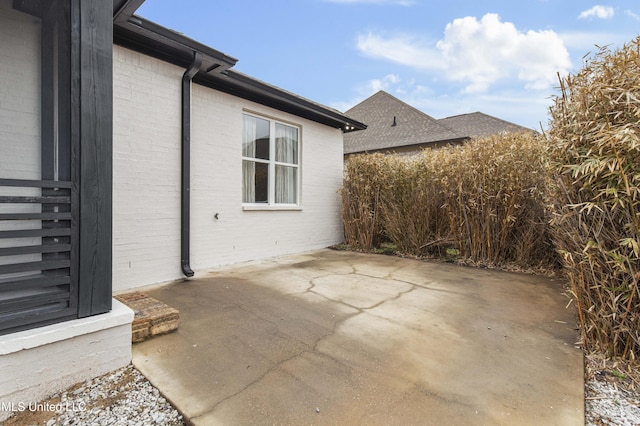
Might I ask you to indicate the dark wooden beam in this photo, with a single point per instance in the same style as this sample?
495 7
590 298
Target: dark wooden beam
50 248
47 95
35 200
32 281
31 266
95 113
124 9
31 7
63 102
34 183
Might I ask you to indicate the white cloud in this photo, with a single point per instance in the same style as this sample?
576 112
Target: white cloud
586 41
478 53
527 109
405 50
597 11
384 83
388 83
633 15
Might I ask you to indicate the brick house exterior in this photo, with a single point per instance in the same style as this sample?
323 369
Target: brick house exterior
146 240
126 160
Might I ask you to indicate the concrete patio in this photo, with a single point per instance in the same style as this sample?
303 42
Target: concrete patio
332 337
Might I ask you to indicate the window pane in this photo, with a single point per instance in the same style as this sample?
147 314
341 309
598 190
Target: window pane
255 141
270 179
248 181
286 185
262 183
286 144
255 182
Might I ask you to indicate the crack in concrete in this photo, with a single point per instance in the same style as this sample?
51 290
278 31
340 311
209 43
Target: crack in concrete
248 385
400 293
396 297
333 330
364 349
311 349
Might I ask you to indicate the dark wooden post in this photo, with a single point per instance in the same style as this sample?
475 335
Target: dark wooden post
92 38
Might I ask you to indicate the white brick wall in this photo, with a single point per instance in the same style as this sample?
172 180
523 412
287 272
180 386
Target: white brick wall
19 94
147 179
146 171
19 116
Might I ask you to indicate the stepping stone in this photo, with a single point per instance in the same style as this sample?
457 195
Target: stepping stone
152 317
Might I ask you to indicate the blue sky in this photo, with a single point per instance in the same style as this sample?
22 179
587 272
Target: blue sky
445 58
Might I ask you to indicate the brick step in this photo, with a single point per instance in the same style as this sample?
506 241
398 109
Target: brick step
152 317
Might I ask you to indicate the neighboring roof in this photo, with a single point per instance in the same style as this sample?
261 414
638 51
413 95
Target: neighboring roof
395 124
392 123
142 35
478 124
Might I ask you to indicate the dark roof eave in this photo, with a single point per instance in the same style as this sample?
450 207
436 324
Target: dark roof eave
245 87
147 37
150 38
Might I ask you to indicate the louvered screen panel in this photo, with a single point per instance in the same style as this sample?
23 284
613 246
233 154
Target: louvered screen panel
36 278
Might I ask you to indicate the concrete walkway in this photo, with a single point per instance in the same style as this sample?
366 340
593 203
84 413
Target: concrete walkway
332 337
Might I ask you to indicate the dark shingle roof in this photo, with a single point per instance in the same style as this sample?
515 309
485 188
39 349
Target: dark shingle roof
412 127
478 124
415 128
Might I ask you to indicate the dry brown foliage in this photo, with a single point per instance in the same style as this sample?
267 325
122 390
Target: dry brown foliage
595 132
361 195
495 199
485 199
572 196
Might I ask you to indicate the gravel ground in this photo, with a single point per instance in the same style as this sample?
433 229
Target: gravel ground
125 397
612 394
608 404
122 397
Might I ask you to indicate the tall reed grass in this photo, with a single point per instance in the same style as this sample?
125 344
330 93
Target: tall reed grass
569 197
595 132
364 182
486 199
496 192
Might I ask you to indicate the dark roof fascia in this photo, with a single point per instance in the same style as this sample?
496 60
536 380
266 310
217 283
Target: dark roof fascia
124 9
147 37
245 87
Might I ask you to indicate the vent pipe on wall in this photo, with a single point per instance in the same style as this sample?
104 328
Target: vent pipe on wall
186 164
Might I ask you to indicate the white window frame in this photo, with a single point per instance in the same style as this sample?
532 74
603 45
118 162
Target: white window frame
272 163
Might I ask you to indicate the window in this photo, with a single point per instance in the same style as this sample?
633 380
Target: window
270 162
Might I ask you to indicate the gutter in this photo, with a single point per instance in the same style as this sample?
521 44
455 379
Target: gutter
185 208
144 36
